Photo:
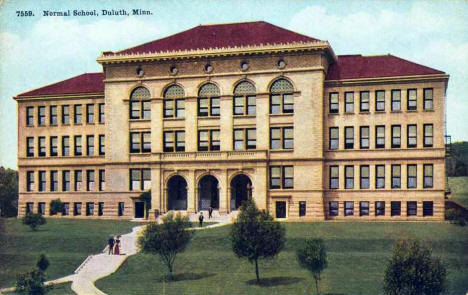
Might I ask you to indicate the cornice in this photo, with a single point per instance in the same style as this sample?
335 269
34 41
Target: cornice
377 80
59 96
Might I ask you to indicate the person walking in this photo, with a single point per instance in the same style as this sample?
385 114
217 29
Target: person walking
200 219
110 244
210 212
117 246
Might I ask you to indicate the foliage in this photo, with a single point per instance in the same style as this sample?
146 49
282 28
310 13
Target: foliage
313 257
34 220
413 271
42 263
457 161
8 192
256 235
56 206
31 283
167 239
456 216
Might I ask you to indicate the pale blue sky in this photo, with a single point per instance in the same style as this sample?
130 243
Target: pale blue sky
35 51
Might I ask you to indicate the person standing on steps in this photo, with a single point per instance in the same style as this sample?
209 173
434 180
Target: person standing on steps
210 212
200 219
110 244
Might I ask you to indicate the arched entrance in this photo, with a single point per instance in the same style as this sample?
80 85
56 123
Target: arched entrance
177 193
208 193
241 189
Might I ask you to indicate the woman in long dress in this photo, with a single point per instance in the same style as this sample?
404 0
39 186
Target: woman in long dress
117 246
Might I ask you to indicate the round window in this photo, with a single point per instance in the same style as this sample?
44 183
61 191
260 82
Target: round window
281 64
173 70
208 68
244 66
140 72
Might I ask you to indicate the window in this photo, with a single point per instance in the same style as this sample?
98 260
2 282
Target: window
349 102
140 142
140 179
412 103
65 181
89 209
53 115
428 208
281 98
78 113
380 100
102 144
42 181
396 176
78 146
121 208
281 177
348 208
396 100
282 138
395 208
102 115
245 139
396 136
334 103
411 208
65 114
30 146
412 139
379 137
364 134
334 138
428 99
29 207
90 184
364 105
41 117
208 140
101 208
140 104
379 176
41 208
78 180
102 180
174 141
302 208
65 145
244 99
349 177
30 116
53 181
411 176
30 181
349 137
66 209
90 145
208 100
428 135
42 146
428 175
90 113
174 103
53 146
379 208
364 181
77 208
333 208
334 177
364 208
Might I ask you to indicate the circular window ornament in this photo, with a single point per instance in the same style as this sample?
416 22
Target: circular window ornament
140 72
281 64
244 66
173 70
208 68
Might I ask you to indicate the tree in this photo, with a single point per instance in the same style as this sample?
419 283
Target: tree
56 206
413 271
42 263
34 220
256 235
32 283
8 192
313 257
167 239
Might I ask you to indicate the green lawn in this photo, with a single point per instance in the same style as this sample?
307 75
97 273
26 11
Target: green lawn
459 187
61 289
65 242
357 258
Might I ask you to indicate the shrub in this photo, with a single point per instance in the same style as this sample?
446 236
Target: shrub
313 257
31 283
456 216
34 220
56 206
42 263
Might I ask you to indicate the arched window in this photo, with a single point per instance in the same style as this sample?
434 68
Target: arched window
174 104
208 100
140 104
281 97
244 99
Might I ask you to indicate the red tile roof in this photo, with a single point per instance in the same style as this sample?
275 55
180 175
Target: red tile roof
358 66
84 83
221 35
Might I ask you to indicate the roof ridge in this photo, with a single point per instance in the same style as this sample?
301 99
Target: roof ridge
231 23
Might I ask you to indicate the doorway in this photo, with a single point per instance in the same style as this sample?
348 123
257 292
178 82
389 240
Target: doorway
139 209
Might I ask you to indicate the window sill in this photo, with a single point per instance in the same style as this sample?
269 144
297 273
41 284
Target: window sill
380 112
364 112
432 110
139 120
396 111
281 150
349 113
412 111
282 115
208 117
244 116
337 113
174 119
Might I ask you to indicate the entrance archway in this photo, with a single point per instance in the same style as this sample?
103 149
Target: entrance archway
241 189
208 193
177 193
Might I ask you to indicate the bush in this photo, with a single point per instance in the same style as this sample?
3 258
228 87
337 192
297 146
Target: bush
34 220
42 263
313 257
455 216
31 283
56 206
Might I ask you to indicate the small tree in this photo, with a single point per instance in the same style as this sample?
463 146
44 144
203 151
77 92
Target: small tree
413 271
31 283
256 235
167 239
56 206
313 257
34 220
42 263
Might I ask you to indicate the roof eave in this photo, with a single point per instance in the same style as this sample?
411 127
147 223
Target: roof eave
441 76
58 95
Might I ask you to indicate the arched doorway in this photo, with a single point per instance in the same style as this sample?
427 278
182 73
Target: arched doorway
208 193
241 189
177 193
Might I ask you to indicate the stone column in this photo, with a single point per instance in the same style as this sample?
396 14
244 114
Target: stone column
226 123
263 120
191 192
191 136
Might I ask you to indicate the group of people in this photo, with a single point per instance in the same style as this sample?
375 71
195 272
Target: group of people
113 245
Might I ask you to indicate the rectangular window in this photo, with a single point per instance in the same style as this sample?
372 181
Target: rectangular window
180 108
395 208
380 100
140 179
101 208
334 138
281 177
349 137
396 136
396 176
65 145
214 108
78 114
239 105
282 138
349 177
77 208
102 180
364 181
349 102
428 135
30 187
146 142
302 208
78 180
364 134
334 104
288 103
411 176
65 114
333 208
89 209
30 116
251 139
379 137
135 109
428 208
364 208
29 207
203 106
78 146
53 181
364 106
102 144
135 144
41 116
245 139
30 146
66 209
140 142
146 107
334 177
348 208
214 140
90 113
41 208
379 176
42 181
245 105
121 208
53 116
53 146
428 99
208 140
412 103
42 146
412 133
396 100
174 141
66 181
380 208
428 175
90 183
90 145
102 115
411 208
180 141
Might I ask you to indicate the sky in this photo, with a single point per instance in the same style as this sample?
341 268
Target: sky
39 50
